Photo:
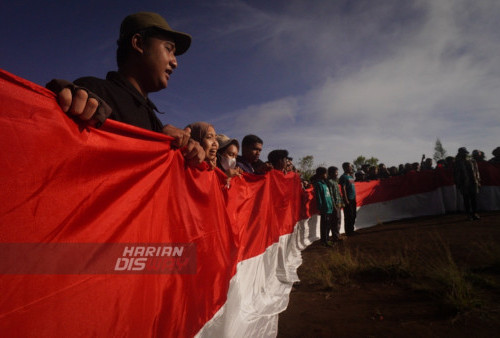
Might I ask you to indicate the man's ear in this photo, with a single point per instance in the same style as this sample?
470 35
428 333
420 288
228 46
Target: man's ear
137 42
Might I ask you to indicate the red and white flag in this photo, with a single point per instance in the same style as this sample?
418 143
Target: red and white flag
105 232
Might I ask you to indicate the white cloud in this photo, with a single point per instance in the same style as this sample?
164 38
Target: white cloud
406 85
267 116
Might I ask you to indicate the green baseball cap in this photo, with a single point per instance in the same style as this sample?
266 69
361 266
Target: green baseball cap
142 20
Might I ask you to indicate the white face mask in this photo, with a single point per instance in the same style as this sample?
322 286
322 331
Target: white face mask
228 162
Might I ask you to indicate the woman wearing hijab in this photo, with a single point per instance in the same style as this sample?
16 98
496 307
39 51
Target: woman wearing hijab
205 134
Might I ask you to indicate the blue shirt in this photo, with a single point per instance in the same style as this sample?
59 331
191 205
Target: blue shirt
347 181
323 197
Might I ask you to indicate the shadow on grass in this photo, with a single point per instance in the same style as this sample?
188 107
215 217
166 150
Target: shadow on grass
431 270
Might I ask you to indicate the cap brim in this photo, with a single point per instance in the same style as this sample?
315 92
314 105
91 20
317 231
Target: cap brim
182 41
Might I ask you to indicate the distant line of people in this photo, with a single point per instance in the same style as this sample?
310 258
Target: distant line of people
464 167
369 172
333 193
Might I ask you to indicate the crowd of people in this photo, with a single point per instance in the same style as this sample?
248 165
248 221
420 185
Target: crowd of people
368 172
334 193
329 201
147 56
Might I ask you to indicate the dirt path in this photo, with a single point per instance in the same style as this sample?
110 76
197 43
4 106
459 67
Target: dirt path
393 307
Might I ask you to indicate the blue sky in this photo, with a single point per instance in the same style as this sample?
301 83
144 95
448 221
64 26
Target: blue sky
332 79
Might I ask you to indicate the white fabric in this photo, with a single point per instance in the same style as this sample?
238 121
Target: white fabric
430 203
260 289
437 202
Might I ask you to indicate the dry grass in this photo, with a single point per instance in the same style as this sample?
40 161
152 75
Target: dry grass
425 277
430 270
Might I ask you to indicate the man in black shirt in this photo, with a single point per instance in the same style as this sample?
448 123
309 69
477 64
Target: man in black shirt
251 147
127 104
146 57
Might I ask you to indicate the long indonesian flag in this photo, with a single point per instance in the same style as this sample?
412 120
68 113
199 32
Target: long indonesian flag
105 232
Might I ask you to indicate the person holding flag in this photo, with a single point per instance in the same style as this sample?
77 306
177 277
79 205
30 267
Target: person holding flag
346 182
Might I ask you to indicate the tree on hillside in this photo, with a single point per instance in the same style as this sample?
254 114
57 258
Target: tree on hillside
305 165
360 160
439 152
373 161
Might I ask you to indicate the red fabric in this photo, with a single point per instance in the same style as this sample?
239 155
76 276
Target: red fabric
417 183
63 182
401 186
490 173
310 207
